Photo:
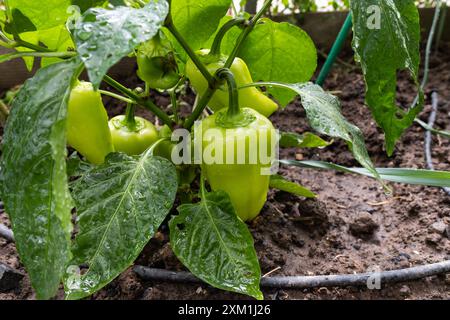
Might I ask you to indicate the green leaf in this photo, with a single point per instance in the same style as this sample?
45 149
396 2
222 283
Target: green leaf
215 245
41 14
306 140
103 37
383 50
409 176
280 183
57 39
120 206
34 182
279 52
37 23
323 111
31 37
198 20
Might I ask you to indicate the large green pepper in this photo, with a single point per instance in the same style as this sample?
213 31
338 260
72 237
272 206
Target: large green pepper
244 131
87 124
248 97
156 63
130 134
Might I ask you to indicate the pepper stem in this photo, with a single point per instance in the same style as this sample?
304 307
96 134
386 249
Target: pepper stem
233 90
130 120
234 117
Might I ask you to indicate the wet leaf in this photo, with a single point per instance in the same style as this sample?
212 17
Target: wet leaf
305 140
120 206
323 111
215 245
386 40
34 182
103 37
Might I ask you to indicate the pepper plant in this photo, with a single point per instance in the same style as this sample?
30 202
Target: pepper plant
83 221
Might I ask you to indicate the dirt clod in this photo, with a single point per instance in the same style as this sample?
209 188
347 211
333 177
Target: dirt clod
433 239
363 225
9 278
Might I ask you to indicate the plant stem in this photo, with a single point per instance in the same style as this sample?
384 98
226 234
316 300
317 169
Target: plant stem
212 81
62 55
26 44
130 121
200 107
215 48
148 104
115 96
249 27
233 109
169 25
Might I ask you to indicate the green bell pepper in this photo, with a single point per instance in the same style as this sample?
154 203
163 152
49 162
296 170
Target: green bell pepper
244 131
249 97
130 134
87 124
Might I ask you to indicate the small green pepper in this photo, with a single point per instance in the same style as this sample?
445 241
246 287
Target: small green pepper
164 148
156 63
242 130
248 97
87 124
130 134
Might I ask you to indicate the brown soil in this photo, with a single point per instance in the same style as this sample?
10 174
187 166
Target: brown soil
352 227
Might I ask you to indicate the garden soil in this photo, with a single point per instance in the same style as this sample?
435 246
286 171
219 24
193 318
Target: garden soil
352 226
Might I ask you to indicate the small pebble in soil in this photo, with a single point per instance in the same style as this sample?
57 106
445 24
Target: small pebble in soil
357 245
363 225
297 241
200 290
438 227
405 291
281 295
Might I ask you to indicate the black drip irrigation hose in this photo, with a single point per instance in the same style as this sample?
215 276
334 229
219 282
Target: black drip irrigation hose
303 282
295 282
428 135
